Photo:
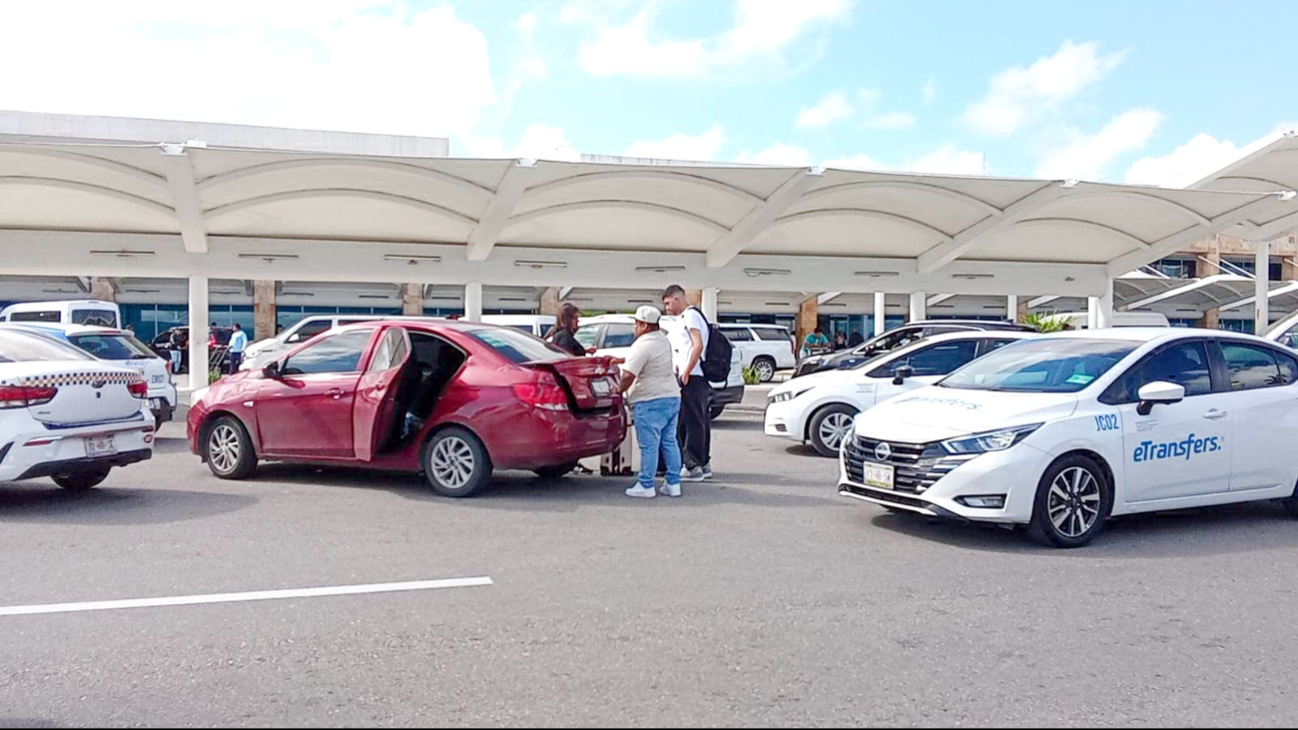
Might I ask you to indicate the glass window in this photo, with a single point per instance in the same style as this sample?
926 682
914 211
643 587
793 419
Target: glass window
619 335
311 329
1251 366
938 359
113 347
48 315
990 346
391 352
893 340
22 347
95 317
337 354
518 347
1289 338
1185 364
943 330
737 334
771 334
1050 365
1288 368
587 335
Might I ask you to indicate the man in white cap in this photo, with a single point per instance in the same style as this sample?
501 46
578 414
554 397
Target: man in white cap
649 382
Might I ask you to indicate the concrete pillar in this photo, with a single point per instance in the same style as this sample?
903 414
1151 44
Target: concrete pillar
808 318
918 306
198 332
549 303
1012 307
412 300
1289 269
1092 313
1021 312
1104 307
264 314
709 306
473 301
1261 287
1211 318
880 313
102 289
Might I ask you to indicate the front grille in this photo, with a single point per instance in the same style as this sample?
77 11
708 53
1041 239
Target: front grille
918 466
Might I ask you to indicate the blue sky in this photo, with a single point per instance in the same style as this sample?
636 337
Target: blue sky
1137 91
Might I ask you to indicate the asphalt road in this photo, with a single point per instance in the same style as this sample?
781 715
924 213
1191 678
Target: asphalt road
759 599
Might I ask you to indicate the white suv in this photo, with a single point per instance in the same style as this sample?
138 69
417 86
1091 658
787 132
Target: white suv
764 347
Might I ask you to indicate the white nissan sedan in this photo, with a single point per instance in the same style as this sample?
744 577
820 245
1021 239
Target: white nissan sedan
819 408
1061 432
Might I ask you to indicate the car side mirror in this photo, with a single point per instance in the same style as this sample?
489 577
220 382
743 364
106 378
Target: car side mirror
271 371
903 372
1159 393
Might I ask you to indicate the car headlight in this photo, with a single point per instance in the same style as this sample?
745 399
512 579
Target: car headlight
787 395
981 443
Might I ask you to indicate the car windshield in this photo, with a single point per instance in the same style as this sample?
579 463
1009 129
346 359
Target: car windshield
1054 365
95 317
517 346
113 346
889 342
23 347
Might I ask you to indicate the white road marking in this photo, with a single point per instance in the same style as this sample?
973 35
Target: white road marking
422 585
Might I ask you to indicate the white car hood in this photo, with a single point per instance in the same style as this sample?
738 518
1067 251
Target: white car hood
933 413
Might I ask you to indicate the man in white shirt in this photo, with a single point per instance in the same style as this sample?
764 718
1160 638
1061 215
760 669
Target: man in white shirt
689 342
649 382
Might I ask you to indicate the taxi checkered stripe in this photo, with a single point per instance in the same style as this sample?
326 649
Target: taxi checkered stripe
67 379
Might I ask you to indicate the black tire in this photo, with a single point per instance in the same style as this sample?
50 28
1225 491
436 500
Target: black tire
827 424
1071 513
456 463
715 412
228 450
83 480
1291 504
765 367
555 471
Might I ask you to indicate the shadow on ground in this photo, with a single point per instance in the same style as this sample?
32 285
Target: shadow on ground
41 502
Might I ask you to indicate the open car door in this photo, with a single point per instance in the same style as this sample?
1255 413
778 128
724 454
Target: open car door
375 417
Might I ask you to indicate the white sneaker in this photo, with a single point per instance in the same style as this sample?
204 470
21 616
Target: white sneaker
707 471
692 475
670 490
640 492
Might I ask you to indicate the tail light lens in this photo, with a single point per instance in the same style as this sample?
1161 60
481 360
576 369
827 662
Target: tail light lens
545 394
139 390
17 396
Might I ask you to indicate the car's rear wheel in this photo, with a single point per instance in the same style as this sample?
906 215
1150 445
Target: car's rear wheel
829 426
765 368
456 463
1073 502
1291 504
715 412
229 449
554 471
83 479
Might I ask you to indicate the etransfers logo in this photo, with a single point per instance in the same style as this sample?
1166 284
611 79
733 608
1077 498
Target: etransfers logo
1150 451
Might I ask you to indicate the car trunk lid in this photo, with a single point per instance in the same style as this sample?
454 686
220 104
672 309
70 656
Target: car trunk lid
591 382
73 393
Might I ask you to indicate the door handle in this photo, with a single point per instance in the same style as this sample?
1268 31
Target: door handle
1215 415
336 393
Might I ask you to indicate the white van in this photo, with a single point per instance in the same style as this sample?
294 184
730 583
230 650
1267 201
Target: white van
533 324
1078 320
83 311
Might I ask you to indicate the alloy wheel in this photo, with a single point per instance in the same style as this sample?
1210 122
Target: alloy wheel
765 370
834 428
452 462
223 448
1074 502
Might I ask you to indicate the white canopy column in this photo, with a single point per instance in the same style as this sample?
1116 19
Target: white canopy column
1104 307
1262 286
880 313
710 303
198 334
1012 307
918 306
473 301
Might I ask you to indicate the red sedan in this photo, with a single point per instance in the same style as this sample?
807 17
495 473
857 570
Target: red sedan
451 400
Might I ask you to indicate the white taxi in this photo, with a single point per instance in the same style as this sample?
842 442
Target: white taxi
1063 431
819 408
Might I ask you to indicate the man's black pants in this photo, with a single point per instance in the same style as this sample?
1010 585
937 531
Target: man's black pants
696 423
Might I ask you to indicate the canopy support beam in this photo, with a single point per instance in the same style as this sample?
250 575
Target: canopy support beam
184 197
731 244
494 219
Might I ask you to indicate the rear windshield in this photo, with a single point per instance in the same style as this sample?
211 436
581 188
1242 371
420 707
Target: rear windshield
95 317
1041 366
48 315
23 347
518 347
113 347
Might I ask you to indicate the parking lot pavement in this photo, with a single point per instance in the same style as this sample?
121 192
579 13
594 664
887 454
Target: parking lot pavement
760 598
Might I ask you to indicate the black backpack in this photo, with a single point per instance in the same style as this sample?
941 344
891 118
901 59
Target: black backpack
716 356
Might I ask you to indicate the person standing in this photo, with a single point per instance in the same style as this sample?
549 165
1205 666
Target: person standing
816 342
649 382
238 343
840 341
689 342
563 336
176 349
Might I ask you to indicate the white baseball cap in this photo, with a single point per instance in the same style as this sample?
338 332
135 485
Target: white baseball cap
648 314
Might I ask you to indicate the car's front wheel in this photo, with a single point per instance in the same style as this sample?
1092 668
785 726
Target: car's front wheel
229 449
829 426
765 368
82 480
456 463
1073 502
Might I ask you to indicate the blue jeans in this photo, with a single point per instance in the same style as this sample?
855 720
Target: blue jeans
175 360
656 422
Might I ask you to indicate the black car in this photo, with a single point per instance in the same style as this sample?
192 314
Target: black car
899 337
162 344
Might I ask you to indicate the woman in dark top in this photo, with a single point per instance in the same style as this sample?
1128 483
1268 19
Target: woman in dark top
563 334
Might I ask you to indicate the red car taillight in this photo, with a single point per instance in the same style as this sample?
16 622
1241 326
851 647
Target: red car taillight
544 394
18 396
139 390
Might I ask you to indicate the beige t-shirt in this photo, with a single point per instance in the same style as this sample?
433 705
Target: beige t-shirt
650 360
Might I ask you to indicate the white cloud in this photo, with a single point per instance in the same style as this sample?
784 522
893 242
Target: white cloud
355 65
1019 96
832 108
1188 163
538 142
891 120
930 90
780 154
946 160
869 97
1287 127
763 31
702 147
1087 157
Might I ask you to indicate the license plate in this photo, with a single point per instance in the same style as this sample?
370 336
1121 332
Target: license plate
155 404
100 446
601 387
879 476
